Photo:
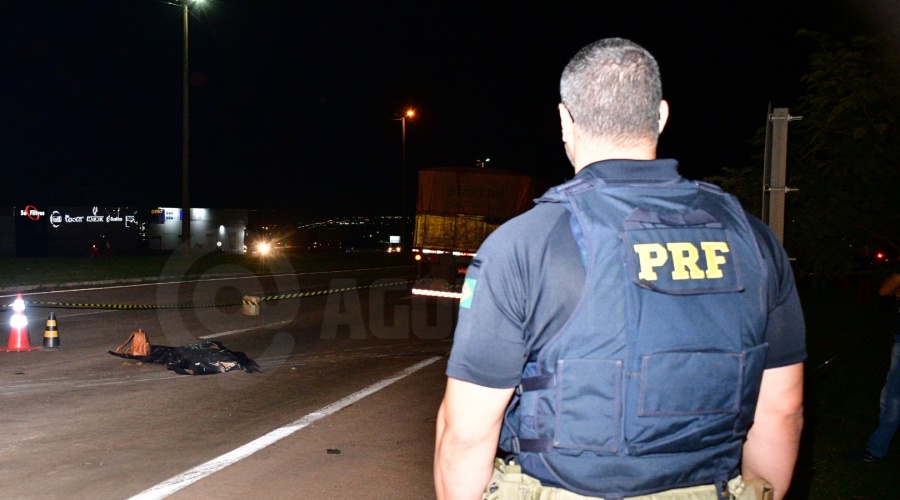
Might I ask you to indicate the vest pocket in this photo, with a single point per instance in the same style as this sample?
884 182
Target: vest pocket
670 385
677 411
588 405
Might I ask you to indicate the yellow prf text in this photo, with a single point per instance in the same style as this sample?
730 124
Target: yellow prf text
684 259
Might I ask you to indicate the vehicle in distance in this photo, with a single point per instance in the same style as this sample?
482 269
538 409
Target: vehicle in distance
456 209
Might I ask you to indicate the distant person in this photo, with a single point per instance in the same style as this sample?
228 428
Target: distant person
635 333
889 420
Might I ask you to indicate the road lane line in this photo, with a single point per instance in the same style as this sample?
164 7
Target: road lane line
166 488
223 278
231 332
61 316
87 313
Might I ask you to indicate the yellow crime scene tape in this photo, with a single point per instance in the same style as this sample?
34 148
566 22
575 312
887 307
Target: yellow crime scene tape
268 298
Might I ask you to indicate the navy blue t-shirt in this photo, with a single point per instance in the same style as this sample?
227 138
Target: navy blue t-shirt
527 279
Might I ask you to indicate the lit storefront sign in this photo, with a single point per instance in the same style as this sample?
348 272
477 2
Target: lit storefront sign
31 212
162 215
107 216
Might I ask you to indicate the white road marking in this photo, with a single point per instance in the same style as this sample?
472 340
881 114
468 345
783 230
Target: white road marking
231 332
166 488
63 316
224 278
86 314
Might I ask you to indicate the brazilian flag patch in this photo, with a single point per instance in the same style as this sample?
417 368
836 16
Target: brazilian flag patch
468 290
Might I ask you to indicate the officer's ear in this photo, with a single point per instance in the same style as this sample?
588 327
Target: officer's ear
567 123
663 114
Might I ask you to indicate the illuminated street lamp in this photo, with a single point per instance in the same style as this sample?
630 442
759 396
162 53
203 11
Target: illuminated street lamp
408 114
185 141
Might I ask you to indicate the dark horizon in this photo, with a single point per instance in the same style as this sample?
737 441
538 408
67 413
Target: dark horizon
294 105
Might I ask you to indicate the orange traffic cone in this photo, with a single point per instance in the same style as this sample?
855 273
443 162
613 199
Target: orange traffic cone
51 334
18 329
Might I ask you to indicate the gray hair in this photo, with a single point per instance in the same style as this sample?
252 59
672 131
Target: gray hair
612 90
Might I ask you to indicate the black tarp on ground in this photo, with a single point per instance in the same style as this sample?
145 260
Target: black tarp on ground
207 358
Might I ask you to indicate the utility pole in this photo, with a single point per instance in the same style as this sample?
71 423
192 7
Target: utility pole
409 113
185 147
775 169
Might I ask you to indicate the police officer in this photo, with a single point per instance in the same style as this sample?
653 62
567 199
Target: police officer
889 419
635 333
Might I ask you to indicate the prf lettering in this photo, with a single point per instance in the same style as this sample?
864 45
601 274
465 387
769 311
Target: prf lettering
684 259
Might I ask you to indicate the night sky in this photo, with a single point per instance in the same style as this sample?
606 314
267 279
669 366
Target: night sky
292 102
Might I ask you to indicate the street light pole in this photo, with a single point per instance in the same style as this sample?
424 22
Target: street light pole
185 147
408 114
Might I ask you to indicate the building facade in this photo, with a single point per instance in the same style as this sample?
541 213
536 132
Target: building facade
72 231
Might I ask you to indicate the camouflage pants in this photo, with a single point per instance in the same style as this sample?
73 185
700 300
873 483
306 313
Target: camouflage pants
510 483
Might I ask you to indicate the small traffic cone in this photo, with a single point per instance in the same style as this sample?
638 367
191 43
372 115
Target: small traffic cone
51 335
18 329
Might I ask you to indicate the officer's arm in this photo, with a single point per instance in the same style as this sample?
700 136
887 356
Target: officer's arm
468 429
774 439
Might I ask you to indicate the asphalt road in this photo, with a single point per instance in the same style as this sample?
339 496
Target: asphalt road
344 408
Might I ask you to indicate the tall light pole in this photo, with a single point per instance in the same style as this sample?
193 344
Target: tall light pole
185 142
408 114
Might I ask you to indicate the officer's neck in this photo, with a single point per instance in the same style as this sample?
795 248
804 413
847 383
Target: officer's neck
587 153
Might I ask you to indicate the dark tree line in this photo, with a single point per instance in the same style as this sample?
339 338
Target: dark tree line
844 157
